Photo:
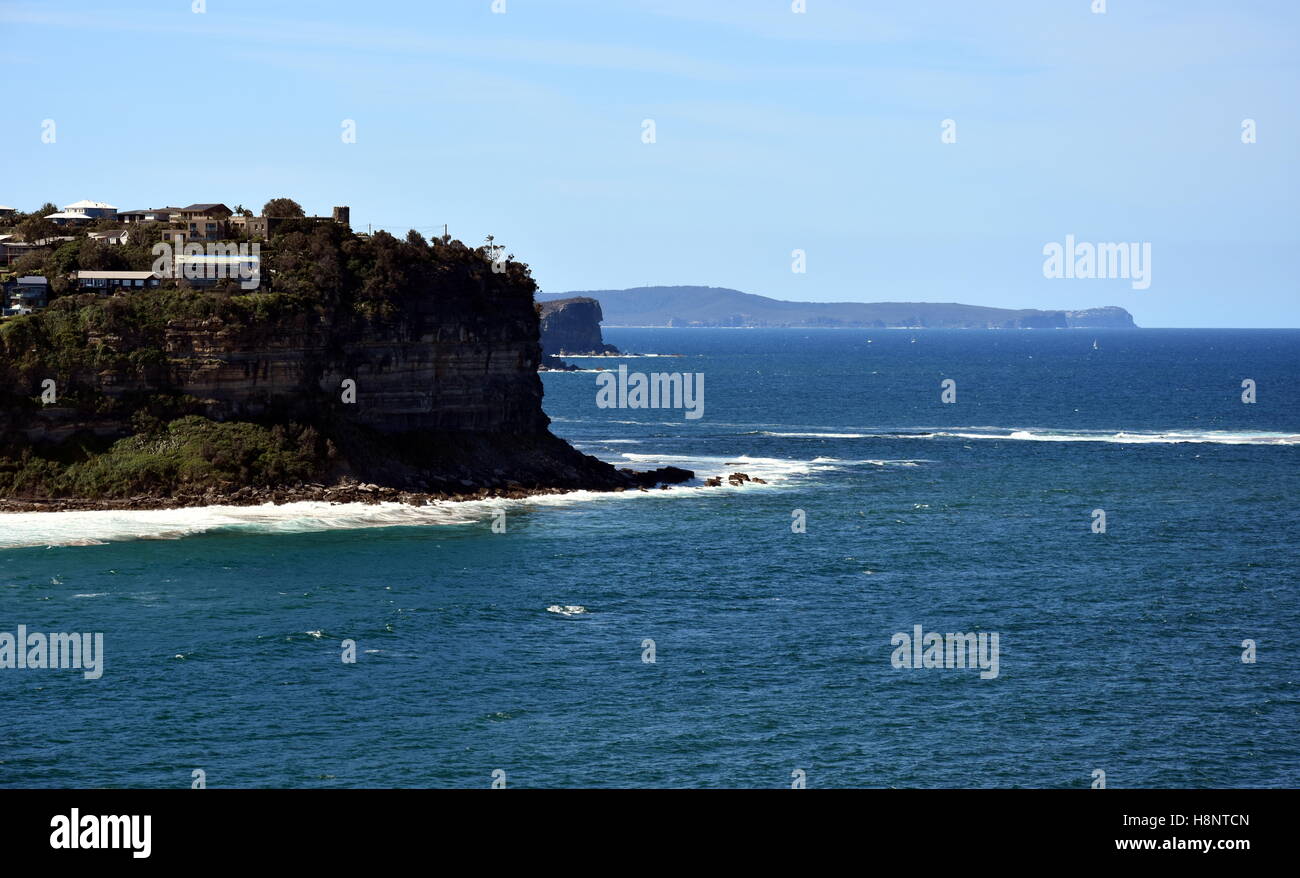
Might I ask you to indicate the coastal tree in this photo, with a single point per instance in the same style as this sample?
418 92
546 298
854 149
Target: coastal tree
283 207
36 228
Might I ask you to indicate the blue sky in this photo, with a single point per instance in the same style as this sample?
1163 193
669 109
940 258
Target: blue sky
775 131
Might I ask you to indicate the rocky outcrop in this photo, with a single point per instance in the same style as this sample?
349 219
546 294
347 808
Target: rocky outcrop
572 326
436 391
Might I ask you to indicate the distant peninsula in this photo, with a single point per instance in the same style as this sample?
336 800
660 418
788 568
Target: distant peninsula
719 307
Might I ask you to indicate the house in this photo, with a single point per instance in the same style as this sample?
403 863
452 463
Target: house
195 211
156 215
251 226
116 236
83 212
205 222
176 237
208 270
265 226
110 281
25 295
12 249
6 211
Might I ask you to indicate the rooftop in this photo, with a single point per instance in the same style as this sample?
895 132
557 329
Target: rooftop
83 205
114 275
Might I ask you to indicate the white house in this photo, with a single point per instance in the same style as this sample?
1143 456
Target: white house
117 236
83 212
154 215
206 270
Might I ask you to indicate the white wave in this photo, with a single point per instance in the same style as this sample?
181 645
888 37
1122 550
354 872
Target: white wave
567 609
1124 437
768 468
95 527
1220 437
99 527
871 462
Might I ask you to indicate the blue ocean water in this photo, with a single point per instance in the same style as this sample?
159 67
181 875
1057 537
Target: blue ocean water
1120 651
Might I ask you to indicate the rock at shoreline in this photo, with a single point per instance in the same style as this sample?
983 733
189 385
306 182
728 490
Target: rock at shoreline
572 326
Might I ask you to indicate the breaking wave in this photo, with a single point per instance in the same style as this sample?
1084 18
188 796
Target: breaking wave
1127 437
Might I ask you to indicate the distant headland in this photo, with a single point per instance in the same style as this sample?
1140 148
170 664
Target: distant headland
719 306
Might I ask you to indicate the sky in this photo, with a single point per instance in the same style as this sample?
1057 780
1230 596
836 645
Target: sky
774 131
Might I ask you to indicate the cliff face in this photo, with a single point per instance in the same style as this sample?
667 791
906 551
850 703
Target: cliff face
446 394
1109 317
572 326
436 369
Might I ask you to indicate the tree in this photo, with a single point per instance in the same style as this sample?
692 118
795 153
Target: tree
95 255
36 228
283 207
492 250
29 263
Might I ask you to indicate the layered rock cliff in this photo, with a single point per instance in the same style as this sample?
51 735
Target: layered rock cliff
399 363
572 326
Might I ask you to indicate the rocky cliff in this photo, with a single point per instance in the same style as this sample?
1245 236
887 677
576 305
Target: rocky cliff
408 365
1109 317
572 326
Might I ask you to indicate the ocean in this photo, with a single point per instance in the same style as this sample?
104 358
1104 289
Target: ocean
694 637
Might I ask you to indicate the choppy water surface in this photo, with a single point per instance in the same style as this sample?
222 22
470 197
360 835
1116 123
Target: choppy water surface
524 651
